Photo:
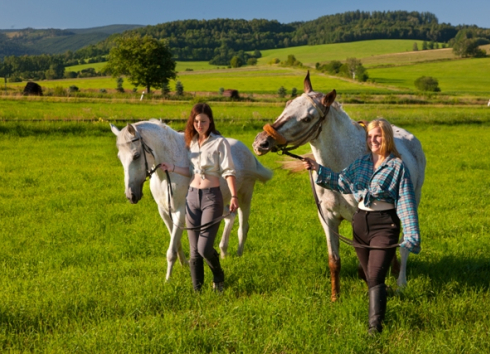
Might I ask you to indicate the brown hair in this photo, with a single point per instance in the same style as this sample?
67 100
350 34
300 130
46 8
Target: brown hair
190 131
388 144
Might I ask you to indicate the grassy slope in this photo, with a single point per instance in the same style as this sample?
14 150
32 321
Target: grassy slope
309 55
458 76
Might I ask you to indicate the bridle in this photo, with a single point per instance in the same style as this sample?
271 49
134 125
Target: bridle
312 133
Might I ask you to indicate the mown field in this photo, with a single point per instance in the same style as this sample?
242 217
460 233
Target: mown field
83 270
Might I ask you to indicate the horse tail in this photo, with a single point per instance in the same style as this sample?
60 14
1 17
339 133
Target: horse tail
262 173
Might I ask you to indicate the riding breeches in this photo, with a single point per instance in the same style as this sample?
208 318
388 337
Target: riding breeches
379 229
203 206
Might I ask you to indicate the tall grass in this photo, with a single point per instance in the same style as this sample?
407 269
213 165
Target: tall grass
83 270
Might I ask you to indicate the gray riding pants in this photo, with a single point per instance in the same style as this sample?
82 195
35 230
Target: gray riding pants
203 206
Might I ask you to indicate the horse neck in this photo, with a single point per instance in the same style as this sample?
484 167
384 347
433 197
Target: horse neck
167 144
340 142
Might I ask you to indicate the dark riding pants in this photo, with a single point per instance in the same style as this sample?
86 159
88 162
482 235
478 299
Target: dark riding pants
380 229
203 206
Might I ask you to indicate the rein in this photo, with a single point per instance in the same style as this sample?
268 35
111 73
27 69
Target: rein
344 239
170 192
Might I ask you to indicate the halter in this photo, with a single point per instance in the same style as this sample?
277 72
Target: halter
315 129
145 149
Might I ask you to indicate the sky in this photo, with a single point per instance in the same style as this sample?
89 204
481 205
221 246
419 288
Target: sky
63 14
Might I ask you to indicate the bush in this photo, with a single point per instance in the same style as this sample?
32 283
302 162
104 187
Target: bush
281 92
103 91
73 89
252 61
427 83
221 90
294 92
275 61
179 88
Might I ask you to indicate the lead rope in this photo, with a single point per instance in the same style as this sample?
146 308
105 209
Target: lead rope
344 239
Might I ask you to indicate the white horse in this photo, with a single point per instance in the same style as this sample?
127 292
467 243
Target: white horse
145 144
336 141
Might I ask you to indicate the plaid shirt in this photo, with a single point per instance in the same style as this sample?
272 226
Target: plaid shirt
390 183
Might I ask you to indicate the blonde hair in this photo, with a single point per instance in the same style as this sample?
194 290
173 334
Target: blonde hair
388 144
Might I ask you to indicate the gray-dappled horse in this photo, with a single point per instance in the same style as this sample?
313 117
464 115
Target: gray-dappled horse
336 141
145 144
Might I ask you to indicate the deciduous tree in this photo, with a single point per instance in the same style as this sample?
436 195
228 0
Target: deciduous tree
146 61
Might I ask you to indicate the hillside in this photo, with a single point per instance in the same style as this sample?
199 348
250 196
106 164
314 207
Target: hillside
31 41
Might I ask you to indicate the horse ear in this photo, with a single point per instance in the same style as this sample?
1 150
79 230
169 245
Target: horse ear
131 129
115 130
329 98
307 83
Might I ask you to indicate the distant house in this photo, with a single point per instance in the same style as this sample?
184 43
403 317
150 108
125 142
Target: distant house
231 93
32 89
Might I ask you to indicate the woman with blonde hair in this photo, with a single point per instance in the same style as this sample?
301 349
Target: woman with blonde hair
381 184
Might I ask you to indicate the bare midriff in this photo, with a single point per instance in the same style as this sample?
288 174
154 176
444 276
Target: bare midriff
206 182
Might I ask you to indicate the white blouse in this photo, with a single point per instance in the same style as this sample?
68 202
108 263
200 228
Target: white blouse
212 158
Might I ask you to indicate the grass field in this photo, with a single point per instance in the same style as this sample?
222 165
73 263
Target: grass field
455 77
83 270
364 50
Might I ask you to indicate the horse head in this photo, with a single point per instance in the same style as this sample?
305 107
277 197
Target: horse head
131 154
299 123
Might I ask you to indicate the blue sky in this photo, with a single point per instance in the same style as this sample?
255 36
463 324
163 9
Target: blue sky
16 14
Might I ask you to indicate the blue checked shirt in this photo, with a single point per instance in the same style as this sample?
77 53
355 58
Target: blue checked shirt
390 183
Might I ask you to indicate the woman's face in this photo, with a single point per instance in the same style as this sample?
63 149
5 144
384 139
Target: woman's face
201 123
375 140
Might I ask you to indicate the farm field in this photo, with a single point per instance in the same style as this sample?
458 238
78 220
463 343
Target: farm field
458 76
181 66
112 110
83 269
310 55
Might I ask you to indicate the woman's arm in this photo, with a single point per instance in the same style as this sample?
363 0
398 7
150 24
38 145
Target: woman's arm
340 182
170 167
406 208
231 180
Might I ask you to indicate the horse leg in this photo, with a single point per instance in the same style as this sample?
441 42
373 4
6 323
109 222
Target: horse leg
243 214
402 277
174 250
223 245
395 266
333 254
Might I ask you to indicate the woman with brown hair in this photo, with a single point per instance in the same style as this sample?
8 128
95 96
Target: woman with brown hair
381 184
210 157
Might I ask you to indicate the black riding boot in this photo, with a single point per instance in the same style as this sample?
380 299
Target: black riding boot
218 274
377 308
197 273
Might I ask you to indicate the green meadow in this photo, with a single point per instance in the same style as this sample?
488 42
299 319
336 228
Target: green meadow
83 270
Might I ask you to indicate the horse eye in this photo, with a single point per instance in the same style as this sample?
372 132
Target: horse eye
136 156
306 119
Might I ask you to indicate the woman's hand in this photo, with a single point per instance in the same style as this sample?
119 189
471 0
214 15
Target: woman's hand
233 204
310 164
167 166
